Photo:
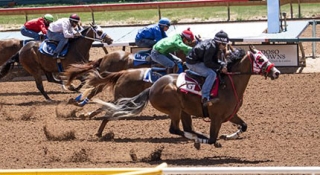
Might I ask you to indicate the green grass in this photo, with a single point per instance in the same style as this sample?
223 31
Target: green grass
200 14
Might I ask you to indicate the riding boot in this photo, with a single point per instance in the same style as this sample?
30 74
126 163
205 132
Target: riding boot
209 102
169 70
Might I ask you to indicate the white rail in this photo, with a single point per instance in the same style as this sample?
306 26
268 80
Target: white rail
163 169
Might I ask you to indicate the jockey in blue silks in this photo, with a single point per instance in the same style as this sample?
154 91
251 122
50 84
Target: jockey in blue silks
150 35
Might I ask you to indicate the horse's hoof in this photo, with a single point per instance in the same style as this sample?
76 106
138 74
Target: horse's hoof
71 88
82 116
217 145
224 137
98 135
197 145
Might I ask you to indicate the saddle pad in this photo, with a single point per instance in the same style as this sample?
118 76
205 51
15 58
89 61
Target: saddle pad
185 84
47 47
142 57
189 85
153 74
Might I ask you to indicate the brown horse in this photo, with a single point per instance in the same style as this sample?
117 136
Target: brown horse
118 83
112 62
9 47
168 97
36 63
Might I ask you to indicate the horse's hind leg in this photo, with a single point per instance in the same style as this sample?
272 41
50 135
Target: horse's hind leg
242 127
39 84
101 127
174 125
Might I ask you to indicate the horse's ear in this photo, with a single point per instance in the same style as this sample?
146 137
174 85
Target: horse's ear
252 48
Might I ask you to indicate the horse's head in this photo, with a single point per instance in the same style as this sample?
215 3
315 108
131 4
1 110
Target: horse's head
261 64
96 32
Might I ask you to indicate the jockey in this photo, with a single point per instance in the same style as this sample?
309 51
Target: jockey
160 52
61 30
149 35
33 27
204 60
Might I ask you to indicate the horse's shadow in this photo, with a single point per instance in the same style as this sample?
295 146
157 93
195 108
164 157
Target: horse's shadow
206 161
34 93
215 160
152 140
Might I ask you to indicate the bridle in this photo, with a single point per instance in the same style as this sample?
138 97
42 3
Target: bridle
96 36
259 64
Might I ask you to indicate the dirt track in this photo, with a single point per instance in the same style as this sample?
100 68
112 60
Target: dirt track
282 117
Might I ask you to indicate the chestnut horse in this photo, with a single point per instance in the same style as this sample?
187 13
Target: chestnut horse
9 47
118 83
112 62
35 62
168 97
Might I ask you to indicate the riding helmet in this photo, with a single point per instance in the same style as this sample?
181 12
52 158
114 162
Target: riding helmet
48 17
74 18
221 37
164 22
188 34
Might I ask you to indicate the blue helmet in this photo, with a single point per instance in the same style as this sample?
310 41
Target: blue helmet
164 22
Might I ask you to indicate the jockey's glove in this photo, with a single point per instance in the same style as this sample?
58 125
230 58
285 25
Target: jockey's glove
77 34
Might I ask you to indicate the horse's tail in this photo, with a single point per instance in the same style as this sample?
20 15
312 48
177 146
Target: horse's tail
106 78
75 70
125 107
9 65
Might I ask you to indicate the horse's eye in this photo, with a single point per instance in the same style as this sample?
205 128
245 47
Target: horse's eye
261 60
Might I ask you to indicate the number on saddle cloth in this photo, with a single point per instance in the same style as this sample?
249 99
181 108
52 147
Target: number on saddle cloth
191 82
47 47
142 57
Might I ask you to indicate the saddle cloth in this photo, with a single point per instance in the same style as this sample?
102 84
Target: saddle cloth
153 74
187 84
142 57
47 47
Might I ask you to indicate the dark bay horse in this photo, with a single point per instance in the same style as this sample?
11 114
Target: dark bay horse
9 47
166 96
37 63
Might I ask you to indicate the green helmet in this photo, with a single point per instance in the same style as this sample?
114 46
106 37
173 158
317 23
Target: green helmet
48 17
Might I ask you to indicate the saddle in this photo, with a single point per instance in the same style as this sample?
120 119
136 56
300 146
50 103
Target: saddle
47 47
191 82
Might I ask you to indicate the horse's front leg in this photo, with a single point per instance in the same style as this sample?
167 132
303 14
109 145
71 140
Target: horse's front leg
91 114
242 127
215 125
190 133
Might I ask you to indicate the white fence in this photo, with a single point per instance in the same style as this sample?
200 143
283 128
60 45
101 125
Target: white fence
163 169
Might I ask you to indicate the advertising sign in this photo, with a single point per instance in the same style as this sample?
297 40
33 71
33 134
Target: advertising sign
279 54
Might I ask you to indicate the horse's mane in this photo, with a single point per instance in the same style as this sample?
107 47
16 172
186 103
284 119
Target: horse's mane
235 57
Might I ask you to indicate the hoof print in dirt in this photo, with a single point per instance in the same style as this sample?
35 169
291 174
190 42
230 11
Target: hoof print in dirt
154 156
107 137
65 110
133 156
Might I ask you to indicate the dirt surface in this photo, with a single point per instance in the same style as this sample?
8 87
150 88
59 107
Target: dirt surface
282 117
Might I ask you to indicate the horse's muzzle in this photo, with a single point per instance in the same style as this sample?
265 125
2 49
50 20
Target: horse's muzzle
275 73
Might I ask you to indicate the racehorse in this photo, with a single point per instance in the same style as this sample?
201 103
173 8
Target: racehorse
35 62
9 47
112 62
118 82
168 96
